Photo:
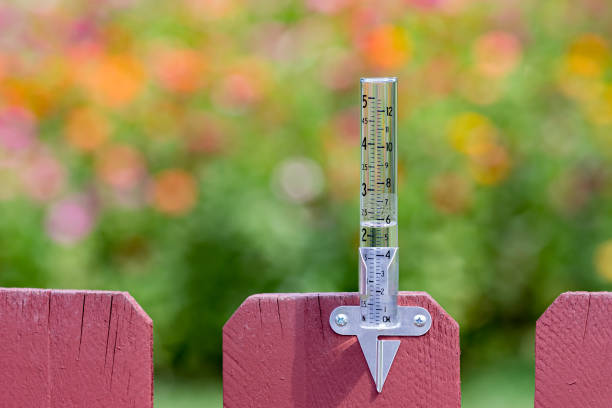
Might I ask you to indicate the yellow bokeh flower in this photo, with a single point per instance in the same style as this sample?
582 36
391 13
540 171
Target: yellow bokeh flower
469 130
588 55
603 260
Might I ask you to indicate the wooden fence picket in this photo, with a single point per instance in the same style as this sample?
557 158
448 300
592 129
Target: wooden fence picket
74 349
574 352
279 351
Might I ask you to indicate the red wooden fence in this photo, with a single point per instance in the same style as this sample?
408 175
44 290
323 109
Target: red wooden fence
94 349
279 351
74 349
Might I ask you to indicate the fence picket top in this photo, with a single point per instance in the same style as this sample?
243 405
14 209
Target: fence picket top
279 350
74 348
574 352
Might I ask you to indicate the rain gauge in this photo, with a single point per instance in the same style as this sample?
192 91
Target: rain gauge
378 314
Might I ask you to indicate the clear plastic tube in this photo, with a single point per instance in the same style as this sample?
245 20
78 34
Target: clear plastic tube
378 204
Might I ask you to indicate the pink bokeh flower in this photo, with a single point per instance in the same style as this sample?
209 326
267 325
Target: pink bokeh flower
70 220
17 128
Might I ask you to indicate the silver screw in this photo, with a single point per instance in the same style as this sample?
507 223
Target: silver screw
420 320
341 320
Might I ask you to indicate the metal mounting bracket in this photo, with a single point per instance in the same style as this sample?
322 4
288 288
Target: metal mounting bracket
379 354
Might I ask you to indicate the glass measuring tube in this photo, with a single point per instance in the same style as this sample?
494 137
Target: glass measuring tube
378 252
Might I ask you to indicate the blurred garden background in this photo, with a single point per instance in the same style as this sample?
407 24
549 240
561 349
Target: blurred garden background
194 152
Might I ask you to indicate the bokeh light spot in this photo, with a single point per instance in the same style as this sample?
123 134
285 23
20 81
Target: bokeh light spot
299 179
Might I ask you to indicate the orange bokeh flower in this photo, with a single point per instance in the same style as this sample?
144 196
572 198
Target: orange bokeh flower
179 69
86 129
113 80
386 47
174 192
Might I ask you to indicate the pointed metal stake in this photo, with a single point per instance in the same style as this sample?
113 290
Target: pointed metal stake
379 353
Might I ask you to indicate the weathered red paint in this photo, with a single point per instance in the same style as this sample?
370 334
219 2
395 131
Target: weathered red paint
279 351
574 352
74 349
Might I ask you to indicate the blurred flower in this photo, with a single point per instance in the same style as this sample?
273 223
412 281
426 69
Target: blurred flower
112 80
489 163
327 6
364 16
43 177
242 86
17 128
603 260
206 134
580 73
86 129
211 10
496 53
450 193
179 70
588 55
439 75
475 136
386 47
174 192
275 41
468 131
426 4
121 167
299 179
71 219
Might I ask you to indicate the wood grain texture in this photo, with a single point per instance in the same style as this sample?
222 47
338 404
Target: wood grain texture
574 352
74 349
279 351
